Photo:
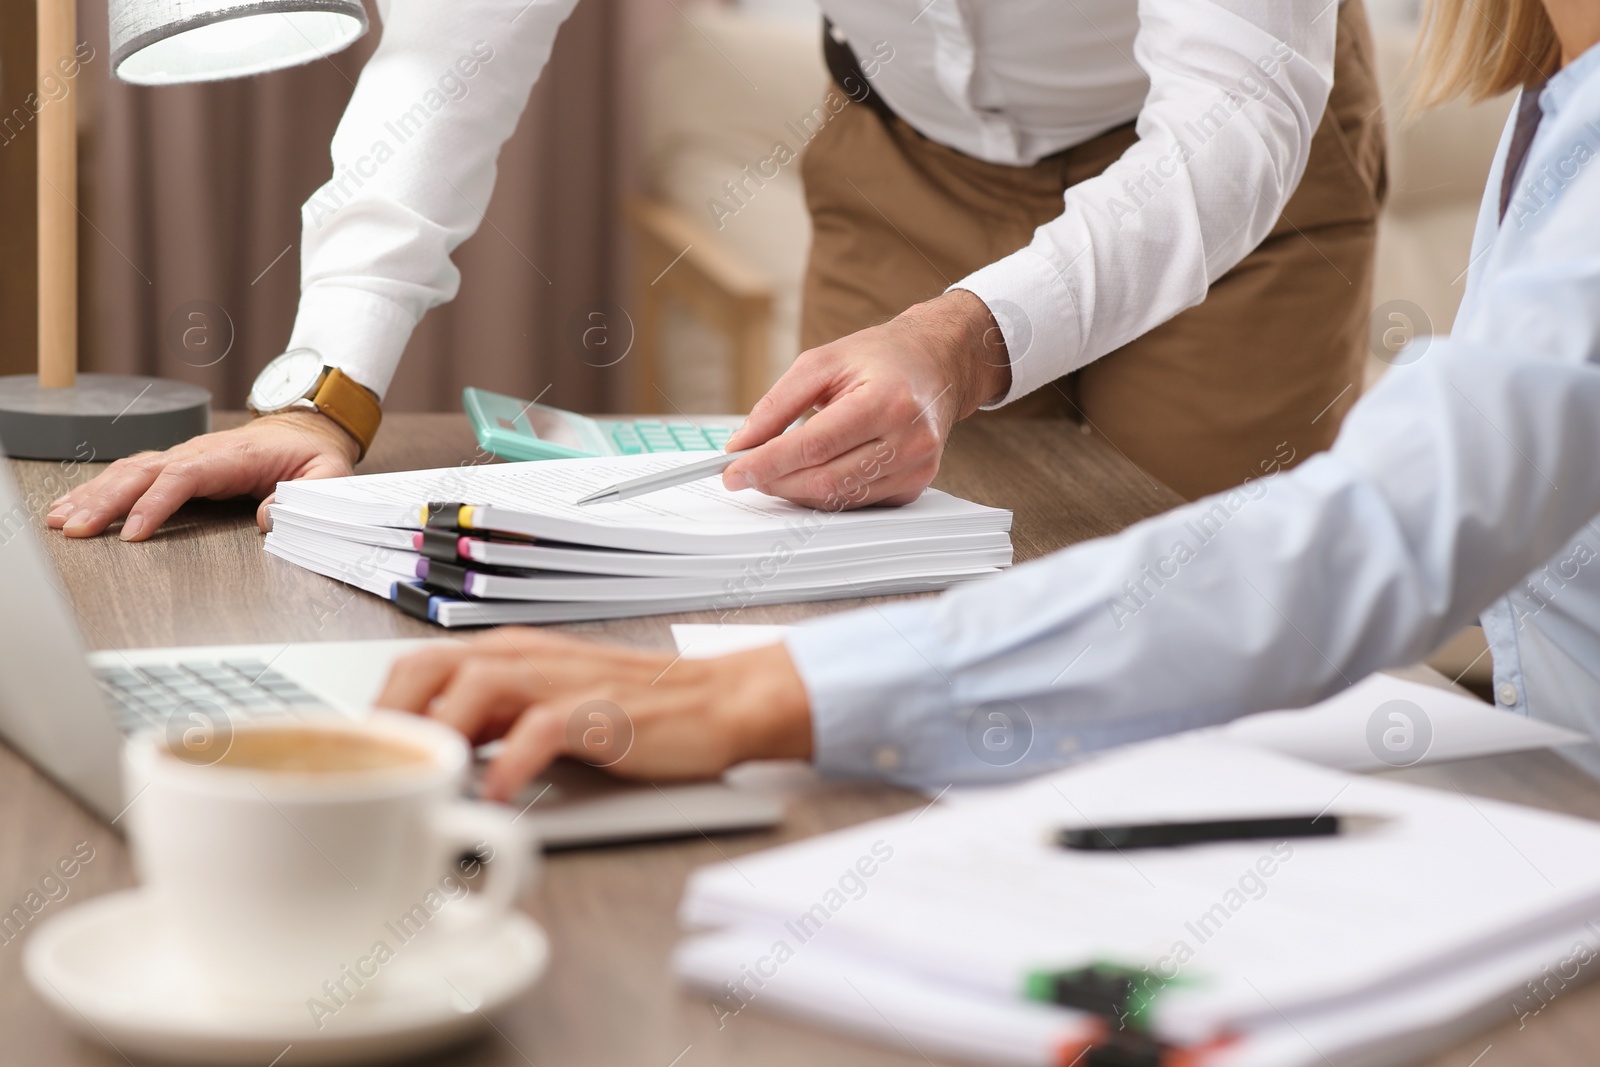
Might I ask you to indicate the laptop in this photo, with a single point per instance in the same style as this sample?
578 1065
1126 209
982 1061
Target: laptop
69 711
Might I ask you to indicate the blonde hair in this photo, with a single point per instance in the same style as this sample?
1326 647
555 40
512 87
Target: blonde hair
1481 48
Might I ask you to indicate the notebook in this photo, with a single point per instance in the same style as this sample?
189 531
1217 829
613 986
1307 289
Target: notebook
484 545
1433 921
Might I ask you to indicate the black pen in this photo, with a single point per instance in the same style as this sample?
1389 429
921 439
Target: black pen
1170 834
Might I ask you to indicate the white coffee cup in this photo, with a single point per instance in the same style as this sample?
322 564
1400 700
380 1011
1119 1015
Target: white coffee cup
282 885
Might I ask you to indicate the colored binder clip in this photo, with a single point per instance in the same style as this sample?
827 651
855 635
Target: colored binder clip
438 544
1104 989
441 577
1127 1049
414 600
447 516
1123 996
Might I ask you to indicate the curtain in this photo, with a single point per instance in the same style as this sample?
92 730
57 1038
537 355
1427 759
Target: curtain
190 239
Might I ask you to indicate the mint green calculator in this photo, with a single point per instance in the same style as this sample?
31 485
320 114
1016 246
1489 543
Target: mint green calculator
520 429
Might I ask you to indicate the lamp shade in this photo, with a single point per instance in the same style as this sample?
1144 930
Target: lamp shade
164 42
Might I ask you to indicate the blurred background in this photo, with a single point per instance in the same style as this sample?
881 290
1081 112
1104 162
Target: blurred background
605 273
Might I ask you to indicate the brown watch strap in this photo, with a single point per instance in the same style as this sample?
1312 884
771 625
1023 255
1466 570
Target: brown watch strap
351 405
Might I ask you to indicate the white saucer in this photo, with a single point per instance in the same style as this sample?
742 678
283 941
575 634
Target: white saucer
107 970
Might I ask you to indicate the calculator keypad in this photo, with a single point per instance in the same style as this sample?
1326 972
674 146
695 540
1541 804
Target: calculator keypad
646 435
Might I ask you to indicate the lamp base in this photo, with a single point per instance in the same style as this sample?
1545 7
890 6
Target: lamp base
103 417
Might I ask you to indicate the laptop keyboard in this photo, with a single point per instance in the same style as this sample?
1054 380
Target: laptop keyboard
644 435
244 688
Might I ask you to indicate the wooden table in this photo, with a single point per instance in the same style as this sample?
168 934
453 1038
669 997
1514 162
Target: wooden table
608 997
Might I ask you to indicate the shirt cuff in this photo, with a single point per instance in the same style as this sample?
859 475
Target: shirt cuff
880 708
1037 315
359 332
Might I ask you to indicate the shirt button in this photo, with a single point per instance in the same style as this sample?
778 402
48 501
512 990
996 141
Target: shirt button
1506 693
886 758
1067 746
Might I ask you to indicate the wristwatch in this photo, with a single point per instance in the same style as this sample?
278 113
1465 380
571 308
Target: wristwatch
299 379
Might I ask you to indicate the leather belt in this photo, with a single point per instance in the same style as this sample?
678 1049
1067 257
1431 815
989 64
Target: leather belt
846 71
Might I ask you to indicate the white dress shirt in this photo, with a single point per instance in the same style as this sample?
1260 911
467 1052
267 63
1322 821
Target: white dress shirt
1227 94
1469 473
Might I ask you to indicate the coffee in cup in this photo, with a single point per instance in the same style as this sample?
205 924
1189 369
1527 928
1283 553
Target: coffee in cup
287 856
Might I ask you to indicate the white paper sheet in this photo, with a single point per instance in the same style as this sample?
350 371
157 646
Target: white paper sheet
703 640
1383 721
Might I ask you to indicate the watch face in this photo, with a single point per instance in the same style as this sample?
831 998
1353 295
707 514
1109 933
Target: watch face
286 379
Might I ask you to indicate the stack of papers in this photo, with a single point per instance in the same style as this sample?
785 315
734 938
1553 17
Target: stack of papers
483 545
932 929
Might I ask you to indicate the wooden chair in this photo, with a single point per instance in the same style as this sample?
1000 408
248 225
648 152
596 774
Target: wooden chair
677 259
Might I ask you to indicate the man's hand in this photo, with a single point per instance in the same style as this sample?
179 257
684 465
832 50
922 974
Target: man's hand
637 714
248 461
886 399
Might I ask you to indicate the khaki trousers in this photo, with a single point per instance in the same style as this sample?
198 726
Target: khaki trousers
1264 368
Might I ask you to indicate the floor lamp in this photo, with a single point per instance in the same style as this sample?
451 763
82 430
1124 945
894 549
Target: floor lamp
60 413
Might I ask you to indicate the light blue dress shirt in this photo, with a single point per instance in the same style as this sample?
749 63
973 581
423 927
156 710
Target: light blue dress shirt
1466 481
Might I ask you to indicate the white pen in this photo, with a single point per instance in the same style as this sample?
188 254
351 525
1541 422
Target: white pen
689 472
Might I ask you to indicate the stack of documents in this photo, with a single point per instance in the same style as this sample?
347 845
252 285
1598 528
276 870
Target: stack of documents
483 545
954 930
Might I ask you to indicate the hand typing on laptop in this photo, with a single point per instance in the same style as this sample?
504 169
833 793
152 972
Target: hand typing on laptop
638 714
